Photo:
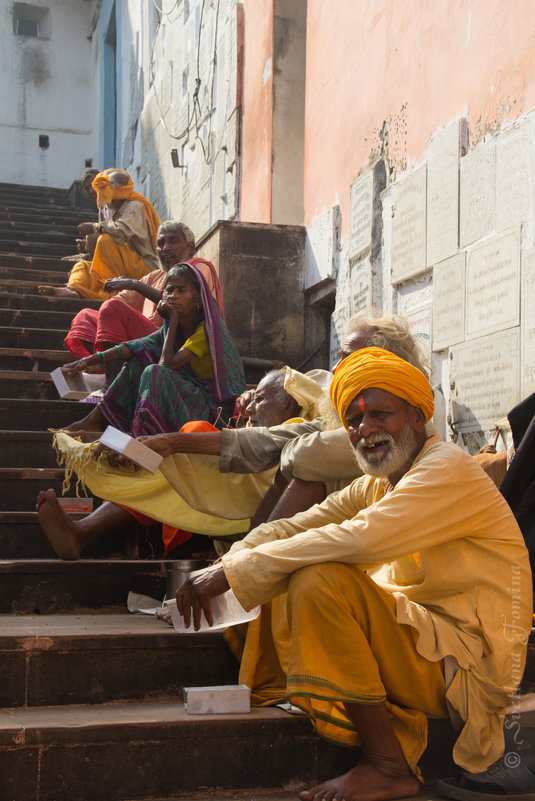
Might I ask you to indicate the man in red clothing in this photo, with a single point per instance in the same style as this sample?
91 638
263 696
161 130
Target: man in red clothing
131 314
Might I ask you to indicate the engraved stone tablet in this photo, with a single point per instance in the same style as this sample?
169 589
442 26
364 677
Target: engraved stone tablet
485 376
493 285
443 194
478 201
361 285
321 247
514 174
527 328
361 214
448 302
409 226
419 320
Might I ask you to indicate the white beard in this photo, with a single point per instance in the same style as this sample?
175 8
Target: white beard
398 458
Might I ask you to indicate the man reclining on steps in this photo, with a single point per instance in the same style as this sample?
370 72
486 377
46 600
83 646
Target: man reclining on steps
282 396
405 595
226 490
126 244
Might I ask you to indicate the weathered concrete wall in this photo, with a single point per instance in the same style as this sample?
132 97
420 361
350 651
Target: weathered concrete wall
261 271
47 90
418 141
178 89
382 76
257 140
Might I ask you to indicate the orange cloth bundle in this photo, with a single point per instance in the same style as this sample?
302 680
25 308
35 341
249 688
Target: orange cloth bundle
375 367
106 192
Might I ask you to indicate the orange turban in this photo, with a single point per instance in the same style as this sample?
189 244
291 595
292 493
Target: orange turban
375 367
106 192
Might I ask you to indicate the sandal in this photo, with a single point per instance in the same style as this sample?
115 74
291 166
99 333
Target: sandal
500 782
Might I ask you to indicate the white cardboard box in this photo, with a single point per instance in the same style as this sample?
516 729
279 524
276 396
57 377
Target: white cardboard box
226 699
70 385
76 506
135 451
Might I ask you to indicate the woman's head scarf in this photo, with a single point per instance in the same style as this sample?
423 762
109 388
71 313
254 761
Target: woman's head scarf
375 367
106 192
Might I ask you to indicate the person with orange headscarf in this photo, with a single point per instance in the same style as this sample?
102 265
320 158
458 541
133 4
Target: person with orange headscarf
406 595
126 244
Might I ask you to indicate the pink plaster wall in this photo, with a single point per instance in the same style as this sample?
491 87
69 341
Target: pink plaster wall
387 61
257 119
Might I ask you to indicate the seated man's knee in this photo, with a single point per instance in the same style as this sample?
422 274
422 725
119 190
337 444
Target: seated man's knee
314 581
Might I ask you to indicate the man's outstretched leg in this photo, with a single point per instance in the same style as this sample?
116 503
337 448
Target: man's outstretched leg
67 536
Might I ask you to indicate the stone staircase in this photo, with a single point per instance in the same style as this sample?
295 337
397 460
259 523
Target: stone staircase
91 696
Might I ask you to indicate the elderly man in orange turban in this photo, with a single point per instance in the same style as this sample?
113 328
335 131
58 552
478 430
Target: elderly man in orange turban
398 594
126 244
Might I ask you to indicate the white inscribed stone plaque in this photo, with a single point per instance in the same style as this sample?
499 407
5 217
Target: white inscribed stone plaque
478 193
361 214
485 376
409 226
527 328
443 194
419 320
514 174
493 285
448 301
321 245
361 285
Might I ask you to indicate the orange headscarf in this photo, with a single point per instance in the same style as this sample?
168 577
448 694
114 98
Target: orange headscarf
106 192
375 367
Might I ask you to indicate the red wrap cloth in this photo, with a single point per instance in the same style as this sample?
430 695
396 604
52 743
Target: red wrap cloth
129 315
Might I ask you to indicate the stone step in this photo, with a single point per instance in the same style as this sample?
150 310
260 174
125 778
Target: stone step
20 384
17 384
21 485
15 287
41 216
37 248
55 317
13 300
47 587
21 537
46 229
37 275
20 232
28 338
38 415
45 264
156 751
50 206
33 360
78 659
32 189
27 449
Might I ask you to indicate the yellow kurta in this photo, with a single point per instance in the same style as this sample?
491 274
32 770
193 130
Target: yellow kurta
124 248
445 544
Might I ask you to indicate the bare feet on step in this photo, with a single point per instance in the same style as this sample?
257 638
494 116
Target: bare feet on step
365 783
58 527
57 291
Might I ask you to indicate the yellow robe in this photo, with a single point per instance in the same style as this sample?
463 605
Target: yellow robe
445 544
124 248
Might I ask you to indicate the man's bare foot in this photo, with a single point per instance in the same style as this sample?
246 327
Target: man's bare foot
57 291
365 783
58 527
92 423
